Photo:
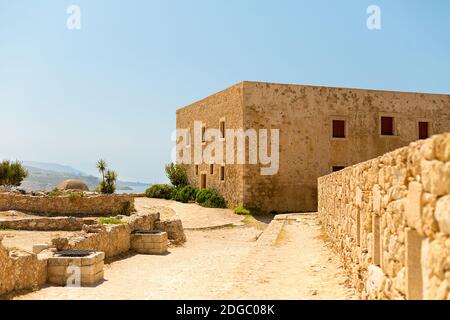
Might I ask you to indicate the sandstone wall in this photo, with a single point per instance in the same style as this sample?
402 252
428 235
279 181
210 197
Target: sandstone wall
226 106
19 270
77 206
304 116
389 219
113 240
47 224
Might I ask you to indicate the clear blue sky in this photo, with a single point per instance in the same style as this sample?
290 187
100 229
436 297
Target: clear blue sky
111 89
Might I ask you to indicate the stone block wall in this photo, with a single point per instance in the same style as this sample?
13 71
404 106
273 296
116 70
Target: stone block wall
389 219
47 224
77 206
113 240
20 270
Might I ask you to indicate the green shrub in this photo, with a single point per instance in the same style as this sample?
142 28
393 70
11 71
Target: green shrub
159 191
240 209
177 174
184 194
73 196
55 193
203 195
210 198
110 221
215 201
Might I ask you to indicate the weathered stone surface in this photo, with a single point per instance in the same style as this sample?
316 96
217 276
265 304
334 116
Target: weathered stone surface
82 206
413 206
174 228
20 270
411 240
442 214
47 224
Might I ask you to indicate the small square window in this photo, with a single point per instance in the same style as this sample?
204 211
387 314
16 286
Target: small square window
424 130
337 168
196 169
222 129
387 126
211 169
338 128
222 173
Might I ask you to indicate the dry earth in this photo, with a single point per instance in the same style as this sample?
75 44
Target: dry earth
223 263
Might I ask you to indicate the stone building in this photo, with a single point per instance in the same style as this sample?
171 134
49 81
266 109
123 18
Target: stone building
321 130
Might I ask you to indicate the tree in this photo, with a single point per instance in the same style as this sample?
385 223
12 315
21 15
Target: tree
109 178
177 174
12 174
101 166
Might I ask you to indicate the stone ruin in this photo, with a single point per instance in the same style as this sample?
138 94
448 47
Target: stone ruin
48 264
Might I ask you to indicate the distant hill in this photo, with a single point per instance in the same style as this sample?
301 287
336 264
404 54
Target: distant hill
53 167
46 176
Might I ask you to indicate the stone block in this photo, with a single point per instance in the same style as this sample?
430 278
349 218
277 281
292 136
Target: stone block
38 248
414 284
376 199
442 214
90 269
413 205
435 176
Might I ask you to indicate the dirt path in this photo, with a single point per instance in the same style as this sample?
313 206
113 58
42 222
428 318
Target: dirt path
192 215
224 263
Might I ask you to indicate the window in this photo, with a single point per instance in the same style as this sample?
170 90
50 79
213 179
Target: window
222 173
424 130
211 169
203 134
222 129
338 128
337 168
196 169
387 126
188 139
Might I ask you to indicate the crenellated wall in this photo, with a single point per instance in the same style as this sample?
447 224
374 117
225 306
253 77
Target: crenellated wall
389 219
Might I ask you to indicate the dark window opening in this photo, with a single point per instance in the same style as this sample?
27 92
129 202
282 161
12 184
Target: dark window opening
338 128
387 126
222 173
222 129
196 169
424 132
338 168
211 169
203 134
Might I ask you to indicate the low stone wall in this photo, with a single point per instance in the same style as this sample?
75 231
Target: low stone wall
113 240
77 206
389 219
19 270
174 229
47 224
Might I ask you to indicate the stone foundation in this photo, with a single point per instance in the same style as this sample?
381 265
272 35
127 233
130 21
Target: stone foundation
63 270
47 224
20 270
76 206
389 219
149 243
113 240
